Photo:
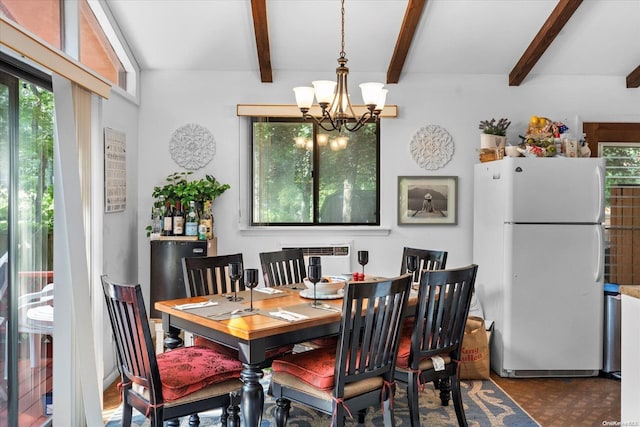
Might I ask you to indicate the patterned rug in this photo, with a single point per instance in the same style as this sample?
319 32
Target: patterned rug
485 405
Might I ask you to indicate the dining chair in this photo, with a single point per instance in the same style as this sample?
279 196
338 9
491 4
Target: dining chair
427 260
430 350
36 328
283 267
209 276
169 385
356 374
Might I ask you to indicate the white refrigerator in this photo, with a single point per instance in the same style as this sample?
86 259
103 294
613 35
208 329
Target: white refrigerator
538 243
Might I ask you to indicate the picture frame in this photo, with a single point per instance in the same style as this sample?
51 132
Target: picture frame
427 200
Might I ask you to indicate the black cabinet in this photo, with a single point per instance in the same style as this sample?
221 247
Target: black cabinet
167 281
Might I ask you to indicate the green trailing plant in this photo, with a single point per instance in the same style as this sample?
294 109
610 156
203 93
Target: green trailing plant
493 127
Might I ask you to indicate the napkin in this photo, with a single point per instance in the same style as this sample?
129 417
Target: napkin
268 290
189 306
288 315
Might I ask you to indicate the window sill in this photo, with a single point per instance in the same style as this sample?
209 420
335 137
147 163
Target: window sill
293 230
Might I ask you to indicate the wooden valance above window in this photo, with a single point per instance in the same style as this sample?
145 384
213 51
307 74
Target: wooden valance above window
24 43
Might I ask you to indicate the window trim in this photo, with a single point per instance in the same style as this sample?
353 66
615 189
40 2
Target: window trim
315 187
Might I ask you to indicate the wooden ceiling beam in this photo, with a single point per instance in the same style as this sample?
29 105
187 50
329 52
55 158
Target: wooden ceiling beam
261 30
412 16
554 24
633 79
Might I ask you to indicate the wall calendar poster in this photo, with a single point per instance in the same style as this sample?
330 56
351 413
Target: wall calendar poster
115 171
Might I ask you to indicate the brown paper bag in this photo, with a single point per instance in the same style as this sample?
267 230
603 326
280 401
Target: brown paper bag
475 351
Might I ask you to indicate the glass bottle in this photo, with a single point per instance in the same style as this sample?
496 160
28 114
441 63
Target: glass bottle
178 220
157 214
167 227
206 223
191 221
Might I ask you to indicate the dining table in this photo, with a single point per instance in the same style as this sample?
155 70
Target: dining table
281 316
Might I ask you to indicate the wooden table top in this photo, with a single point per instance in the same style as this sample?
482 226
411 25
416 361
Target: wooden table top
248 327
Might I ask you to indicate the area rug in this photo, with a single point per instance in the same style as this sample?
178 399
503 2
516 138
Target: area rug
485 405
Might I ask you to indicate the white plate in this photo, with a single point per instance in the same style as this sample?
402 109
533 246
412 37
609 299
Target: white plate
308 293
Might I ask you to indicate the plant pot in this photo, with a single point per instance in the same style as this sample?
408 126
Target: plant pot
492 141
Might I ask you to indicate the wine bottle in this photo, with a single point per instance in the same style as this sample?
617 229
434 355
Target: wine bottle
167 221
191 222
205 230
178 220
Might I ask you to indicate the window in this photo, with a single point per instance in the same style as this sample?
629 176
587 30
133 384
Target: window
302 175
622 194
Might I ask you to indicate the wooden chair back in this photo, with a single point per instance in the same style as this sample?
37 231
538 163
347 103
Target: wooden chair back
283 267
136 352
443 306
370 330
427 260
209 275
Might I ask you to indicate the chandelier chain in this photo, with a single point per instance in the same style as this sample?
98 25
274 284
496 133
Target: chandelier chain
342 53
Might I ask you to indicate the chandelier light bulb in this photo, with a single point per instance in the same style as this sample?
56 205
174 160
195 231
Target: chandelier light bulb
309 144
325 90
300 141
382 98
304 96
333 144
322 139
371 92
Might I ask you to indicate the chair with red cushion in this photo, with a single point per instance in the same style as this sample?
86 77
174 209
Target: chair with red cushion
427 260
210 276
444 298
174 384
359 372
283 267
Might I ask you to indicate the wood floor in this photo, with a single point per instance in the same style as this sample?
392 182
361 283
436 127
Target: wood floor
562 402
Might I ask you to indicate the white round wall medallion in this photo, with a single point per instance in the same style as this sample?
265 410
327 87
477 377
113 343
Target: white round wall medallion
192 146
431 147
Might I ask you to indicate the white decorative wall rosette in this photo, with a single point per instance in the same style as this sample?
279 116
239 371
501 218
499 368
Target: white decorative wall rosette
192 146
432 147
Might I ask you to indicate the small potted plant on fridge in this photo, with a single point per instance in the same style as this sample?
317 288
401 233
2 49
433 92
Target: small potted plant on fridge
493 133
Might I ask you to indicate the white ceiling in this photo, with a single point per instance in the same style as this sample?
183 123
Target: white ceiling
454 36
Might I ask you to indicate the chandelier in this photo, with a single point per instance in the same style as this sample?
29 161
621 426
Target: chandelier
333 97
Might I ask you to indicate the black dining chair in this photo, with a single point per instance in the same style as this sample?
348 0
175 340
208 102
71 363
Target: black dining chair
359 372
427 260
283 267
167 386
444 298
209 276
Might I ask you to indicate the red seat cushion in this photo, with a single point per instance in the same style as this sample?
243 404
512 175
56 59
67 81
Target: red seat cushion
188 369
315 367
404 349
231 352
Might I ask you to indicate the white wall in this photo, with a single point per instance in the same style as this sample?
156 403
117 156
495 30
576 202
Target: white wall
458 103
120 229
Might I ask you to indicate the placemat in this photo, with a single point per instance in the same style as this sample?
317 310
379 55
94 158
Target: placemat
303 309
224 310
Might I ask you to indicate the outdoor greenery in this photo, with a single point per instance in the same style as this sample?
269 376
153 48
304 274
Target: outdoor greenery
283 175
35 170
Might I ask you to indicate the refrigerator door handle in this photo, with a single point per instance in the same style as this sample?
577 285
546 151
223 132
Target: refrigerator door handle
600 179
600 263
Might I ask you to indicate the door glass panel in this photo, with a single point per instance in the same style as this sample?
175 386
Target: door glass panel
26 255
34 255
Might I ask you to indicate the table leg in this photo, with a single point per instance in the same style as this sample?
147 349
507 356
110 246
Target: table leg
252 402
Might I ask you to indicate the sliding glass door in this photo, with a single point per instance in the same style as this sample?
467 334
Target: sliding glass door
26 248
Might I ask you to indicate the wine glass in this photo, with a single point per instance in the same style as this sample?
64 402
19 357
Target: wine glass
363 259
412 266
235 273
314 276
314 260
250 281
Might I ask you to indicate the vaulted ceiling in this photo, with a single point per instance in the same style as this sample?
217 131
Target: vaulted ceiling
517 38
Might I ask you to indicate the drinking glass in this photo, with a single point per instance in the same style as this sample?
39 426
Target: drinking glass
314 260
314 276
363 259
235 273
250 281
412 266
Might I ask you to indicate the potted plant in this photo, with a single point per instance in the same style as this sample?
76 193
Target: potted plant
493 133
179 189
